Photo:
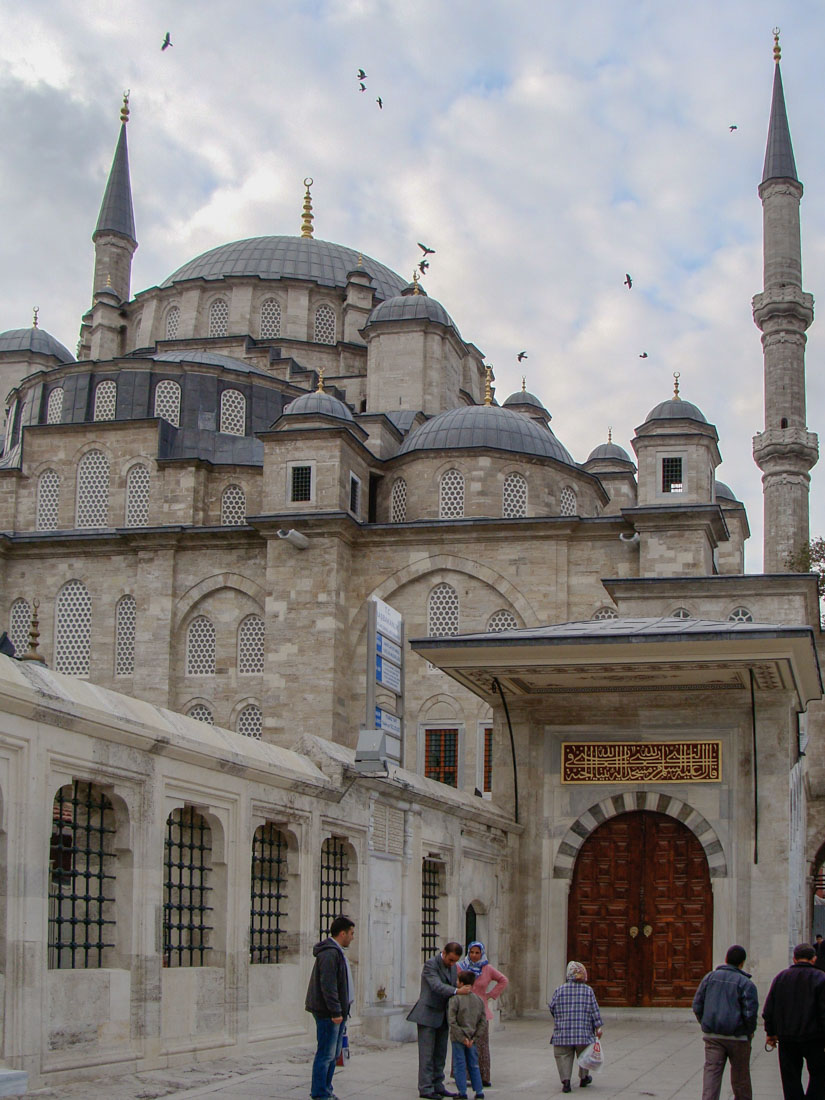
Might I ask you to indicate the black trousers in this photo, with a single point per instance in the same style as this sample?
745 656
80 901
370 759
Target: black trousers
791 1056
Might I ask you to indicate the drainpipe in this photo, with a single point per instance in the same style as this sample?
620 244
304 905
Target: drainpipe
497 687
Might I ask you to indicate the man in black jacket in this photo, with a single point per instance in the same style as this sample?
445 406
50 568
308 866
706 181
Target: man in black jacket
794 1015
329 996
726 1004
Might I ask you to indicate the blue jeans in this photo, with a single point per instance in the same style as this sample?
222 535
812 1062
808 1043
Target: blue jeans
330 1038
465 1061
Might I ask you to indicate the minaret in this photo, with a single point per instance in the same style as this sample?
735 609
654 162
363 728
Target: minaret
785 451
114 236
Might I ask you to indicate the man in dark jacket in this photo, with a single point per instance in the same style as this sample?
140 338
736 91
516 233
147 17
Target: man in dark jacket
329 996
726 1004
439 982
794 1015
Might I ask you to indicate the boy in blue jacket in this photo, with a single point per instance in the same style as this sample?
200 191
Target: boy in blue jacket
726 1006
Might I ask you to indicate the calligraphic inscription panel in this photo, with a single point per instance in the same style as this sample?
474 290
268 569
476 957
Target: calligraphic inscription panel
641 762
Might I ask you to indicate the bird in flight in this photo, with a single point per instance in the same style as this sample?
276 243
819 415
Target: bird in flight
380 103
361 75
628 282
425 250
733 127
422 267
362 86
521 355
643 355
167 42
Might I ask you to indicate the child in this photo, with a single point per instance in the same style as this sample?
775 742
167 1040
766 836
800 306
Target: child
466 1017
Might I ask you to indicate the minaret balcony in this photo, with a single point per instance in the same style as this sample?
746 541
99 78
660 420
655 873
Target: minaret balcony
783 304
794 448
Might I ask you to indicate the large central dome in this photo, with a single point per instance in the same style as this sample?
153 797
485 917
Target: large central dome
304 258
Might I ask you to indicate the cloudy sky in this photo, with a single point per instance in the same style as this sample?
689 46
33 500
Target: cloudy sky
543 149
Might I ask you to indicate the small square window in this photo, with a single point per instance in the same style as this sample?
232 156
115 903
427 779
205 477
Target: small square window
672 475
301 483
354 494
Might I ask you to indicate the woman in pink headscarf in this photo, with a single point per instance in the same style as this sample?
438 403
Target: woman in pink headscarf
477 963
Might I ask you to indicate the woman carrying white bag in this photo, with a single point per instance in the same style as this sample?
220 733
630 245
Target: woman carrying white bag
578 1024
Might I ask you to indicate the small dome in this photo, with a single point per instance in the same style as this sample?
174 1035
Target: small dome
486 426
609 452
676 409
411 307
318 403
724 492
524 397
36 340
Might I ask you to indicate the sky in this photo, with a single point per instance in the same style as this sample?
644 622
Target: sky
543 149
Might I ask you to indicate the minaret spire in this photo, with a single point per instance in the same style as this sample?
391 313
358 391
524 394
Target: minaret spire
114 235
785 451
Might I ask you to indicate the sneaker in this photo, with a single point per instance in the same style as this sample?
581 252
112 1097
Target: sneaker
585 1081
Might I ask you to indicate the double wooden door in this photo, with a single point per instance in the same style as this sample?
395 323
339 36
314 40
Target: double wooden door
640 915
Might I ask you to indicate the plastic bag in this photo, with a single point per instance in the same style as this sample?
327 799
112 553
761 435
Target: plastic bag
592 1057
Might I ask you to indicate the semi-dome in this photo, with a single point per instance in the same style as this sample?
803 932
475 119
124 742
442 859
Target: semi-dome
36 340
302 258
486 426
318 403
609 452
524 397
208 358
411 307
676 409
724 492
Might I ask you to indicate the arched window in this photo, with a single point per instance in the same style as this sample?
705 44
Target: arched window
105 400
137 496
514 497
92 490
324 325
398 501
200 647
125 620
606 613
48 500
502 620
187 892
73 629
270 881
233 506
334 881
218 317
172 323
567 502
82 878
250 721
54 406
201 713
680 613
451 495
167 401
251 646
20 621
442 611
270 319
740 615
233 412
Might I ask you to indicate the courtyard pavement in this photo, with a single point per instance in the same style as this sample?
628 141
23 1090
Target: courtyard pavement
647 1054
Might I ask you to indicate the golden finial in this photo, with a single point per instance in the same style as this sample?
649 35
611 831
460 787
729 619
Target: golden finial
524 383
108 279
320 381
777 49
34 634
488 389
306 224
676 376
609 433
34 317
415 283
124 110
360 260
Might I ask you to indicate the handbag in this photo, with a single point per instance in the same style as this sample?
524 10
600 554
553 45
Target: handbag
592 1057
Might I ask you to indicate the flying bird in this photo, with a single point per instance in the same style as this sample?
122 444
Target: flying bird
362 86
167 42
361 75
380 103
628 282
733 127
422 267
425 250
643 355
521 355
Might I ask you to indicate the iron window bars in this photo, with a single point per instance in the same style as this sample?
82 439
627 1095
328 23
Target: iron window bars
430 873
187 859
334 873
267 932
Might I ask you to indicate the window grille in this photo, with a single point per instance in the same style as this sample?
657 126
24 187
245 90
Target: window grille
167 401
105 400
233 412
200 648
487 761
672 475
250 721
172 323
324 325
73 629
398 501
251 646
451 496
441 756
267 926
218 317
48 500
567 502
502 620
187 862
514 497
270 319
606 613
137 496
354 494
333 885
681 613
54 408
201 713
125 620
430 876
233 506
740 615
442 611
92 490
301 483
20 621
81 878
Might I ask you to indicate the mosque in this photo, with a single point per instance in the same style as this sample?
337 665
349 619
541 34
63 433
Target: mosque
604 738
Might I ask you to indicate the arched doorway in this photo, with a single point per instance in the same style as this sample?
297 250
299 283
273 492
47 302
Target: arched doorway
640 914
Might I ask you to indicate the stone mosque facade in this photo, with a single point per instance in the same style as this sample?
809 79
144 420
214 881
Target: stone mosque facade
612 734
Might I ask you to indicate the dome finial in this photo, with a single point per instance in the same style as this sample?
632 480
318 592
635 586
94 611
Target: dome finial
34 316
321 381
124 110
488 388
777 49
415 283
676 377
524 383
360 260
306 224
609 433
31 653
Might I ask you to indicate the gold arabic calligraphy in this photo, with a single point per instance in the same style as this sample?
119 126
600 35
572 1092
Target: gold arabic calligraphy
641 762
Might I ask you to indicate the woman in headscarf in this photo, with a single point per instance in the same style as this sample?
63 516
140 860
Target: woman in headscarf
477 963
578 1023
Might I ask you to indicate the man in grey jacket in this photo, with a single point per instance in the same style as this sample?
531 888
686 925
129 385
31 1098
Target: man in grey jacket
439 982
726 1006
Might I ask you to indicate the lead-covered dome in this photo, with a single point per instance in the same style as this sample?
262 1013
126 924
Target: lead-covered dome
35 340
609 452
318 403
486 426
411 307
676 409
724 492
524 397
302 258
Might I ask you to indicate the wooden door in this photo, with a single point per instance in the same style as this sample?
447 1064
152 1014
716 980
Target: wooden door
640 915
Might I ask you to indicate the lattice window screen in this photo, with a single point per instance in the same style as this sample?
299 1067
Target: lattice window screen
233 412
73 629
218 317
48 500
250 721
200 647
125 621
202 713
324 325
167 401
270 319
451 495
398 501
137 496
567 502
251 634
54 408
502 620
172 323
514 497
740 615
233 506
105 400
606 613
442 611
20 620
92 490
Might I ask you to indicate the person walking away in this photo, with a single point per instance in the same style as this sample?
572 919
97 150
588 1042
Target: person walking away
439 982
330 995
578 1023
477 964
467 1020
726 1005
794 1015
